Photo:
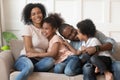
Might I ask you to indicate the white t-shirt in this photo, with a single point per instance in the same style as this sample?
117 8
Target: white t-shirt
93 42
40 42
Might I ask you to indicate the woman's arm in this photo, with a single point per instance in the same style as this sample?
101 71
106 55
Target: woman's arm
52 53
28 44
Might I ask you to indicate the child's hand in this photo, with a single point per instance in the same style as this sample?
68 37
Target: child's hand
91 50
83 49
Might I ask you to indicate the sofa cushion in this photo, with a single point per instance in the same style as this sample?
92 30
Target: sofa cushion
16 46
42 76
52 76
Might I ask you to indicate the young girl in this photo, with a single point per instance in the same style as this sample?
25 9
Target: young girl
60 52
102 60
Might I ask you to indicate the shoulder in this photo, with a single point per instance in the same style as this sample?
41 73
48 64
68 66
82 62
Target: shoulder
27 30
57 37
94 41
29 26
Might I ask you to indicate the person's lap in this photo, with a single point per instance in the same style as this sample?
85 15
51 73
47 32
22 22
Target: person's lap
71 66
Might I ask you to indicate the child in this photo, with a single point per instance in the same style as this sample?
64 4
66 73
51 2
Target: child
102 60
57 48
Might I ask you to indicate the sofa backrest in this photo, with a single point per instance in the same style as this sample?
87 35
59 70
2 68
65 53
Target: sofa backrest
16 46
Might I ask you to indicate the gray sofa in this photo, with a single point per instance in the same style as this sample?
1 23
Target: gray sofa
7 59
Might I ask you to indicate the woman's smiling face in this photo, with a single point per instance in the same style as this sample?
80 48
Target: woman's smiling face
36 15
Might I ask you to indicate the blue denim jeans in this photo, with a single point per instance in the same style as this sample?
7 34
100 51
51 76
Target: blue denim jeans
88 71
71 66
85 57
26 66
116 69
102 62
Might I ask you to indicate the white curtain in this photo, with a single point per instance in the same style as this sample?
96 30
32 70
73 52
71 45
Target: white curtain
1 22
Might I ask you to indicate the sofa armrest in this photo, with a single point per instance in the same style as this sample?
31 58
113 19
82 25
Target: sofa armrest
6 64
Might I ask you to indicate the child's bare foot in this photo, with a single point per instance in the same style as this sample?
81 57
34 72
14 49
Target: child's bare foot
108 76
96 70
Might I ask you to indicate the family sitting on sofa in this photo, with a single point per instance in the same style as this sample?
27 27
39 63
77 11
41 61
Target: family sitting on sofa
45 50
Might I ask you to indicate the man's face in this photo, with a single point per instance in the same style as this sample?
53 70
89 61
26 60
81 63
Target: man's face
70 33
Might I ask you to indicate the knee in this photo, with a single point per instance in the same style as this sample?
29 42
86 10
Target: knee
73 67
68 72
59 68
88 68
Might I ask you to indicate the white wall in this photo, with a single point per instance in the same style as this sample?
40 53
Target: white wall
104 13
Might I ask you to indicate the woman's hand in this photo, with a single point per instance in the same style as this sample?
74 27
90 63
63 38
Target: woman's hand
30 54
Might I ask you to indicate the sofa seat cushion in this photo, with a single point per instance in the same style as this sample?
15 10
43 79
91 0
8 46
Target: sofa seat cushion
41 76
51 76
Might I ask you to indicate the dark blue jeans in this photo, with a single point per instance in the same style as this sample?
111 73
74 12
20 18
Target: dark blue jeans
71 66
116 69
102 62
88 71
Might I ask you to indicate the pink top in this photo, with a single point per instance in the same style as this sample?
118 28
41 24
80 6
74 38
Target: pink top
63 51
40 42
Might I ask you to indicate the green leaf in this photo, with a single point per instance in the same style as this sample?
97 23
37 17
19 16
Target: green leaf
8 36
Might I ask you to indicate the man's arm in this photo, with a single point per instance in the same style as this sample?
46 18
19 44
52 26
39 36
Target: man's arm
108 44
103 47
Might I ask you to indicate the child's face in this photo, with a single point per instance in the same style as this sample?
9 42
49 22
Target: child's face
80 35
47 30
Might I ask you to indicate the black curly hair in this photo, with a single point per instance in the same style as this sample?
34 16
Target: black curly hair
54 20
87 27
27 12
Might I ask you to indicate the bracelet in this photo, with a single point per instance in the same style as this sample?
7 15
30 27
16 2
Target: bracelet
97 48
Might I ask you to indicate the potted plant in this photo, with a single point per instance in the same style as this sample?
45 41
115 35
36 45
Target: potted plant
7 36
